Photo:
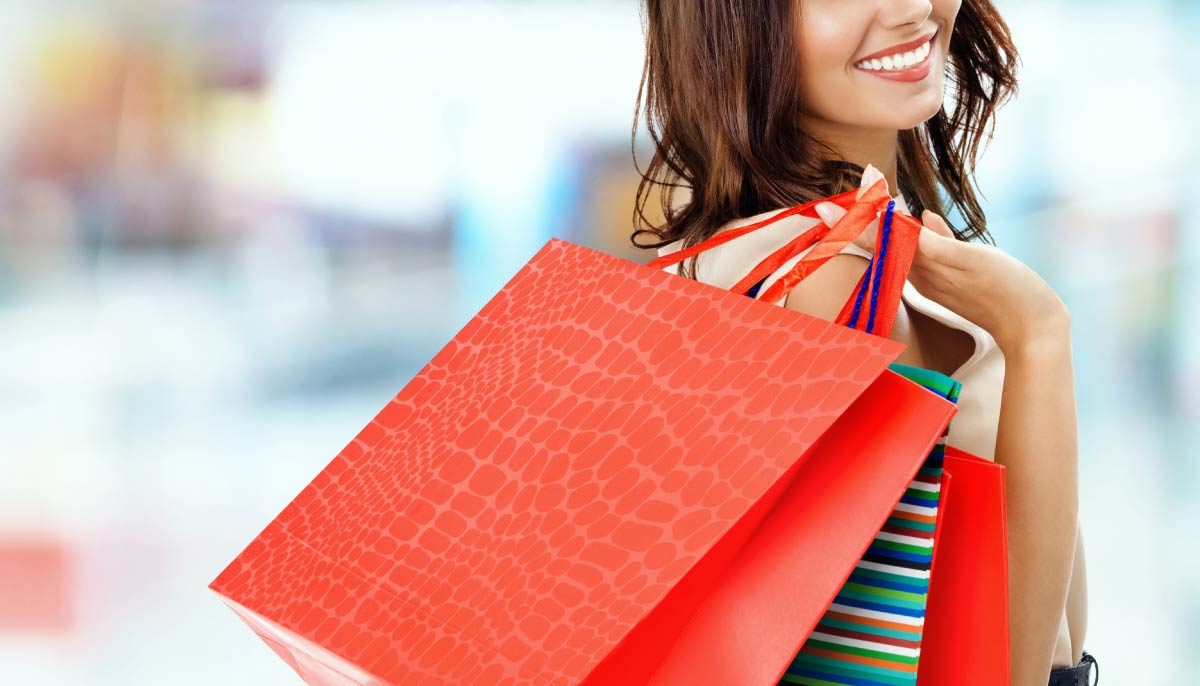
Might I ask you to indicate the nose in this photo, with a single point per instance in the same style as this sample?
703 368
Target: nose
905 14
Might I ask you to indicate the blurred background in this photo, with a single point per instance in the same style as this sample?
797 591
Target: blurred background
232 230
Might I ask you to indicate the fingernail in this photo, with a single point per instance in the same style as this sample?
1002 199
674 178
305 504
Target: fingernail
829 212
870 176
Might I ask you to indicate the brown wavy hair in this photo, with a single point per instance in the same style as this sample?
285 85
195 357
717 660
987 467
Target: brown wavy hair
721 98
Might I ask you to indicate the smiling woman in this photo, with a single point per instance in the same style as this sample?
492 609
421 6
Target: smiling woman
756 106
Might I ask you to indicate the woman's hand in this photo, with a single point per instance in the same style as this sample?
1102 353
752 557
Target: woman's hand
987 286
1036 438
979 282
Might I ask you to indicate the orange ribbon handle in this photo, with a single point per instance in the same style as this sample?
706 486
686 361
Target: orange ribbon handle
826 242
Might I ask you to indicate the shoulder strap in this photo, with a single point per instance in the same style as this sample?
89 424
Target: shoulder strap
808 209
896 244
880 286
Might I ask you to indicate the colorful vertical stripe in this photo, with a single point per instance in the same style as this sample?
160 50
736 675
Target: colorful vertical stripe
871 633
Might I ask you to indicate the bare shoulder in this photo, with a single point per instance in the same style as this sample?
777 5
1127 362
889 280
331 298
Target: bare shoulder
823 293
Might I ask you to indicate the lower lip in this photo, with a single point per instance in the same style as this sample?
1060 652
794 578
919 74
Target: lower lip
916 72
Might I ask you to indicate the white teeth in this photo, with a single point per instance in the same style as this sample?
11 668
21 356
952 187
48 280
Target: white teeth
898 61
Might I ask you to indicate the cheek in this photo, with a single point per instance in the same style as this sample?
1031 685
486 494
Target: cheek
946 10
827 41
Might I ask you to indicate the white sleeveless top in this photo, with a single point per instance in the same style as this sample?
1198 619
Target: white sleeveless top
973 428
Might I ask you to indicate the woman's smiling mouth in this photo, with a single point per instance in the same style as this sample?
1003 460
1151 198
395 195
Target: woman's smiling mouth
904 62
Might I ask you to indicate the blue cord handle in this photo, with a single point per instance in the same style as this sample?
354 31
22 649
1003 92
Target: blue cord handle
874 274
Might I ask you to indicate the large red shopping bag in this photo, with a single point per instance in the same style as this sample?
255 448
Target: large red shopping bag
966 621
560 490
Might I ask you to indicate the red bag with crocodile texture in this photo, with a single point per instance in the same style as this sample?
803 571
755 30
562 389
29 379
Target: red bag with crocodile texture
582 469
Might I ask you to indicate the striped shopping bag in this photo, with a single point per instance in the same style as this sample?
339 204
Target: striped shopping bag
871 633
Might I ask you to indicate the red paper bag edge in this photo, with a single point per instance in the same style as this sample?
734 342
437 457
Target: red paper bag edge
950 409
953 454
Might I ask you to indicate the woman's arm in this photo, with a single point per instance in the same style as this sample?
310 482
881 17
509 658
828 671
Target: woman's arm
1037 443
1077 599
1037 434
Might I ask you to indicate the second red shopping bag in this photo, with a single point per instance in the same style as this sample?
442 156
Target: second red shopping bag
967 623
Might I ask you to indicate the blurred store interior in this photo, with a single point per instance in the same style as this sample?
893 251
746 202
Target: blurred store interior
232 230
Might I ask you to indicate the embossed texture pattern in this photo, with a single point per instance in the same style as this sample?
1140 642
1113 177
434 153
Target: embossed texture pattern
538 487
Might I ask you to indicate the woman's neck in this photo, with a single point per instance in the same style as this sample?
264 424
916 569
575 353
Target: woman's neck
860 146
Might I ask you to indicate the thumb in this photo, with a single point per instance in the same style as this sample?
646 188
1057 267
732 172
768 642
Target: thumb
930 244
937 244
935 222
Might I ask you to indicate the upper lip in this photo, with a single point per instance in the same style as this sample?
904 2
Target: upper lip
899 48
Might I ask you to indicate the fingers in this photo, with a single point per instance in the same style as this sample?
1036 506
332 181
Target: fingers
870 176
830 212
934 225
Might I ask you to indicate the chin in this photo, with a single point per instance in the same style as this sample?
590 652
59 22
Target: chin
913 115
917 120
